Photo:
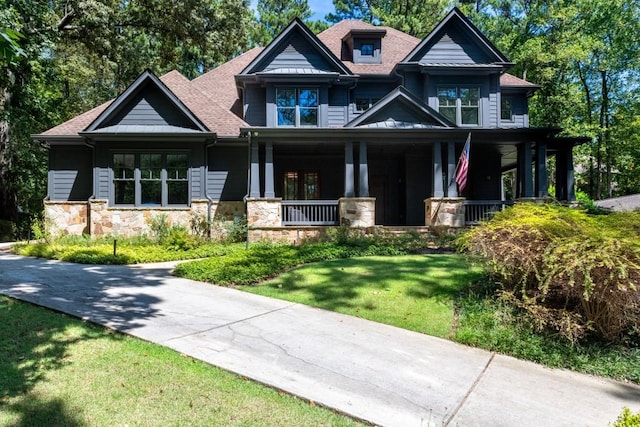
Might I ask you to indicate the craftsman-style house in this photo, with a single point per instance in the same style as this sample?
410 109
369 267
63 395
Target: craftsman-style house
360 125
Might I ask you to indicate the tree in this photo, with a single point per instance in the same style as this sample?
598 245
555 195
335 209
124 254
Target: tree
275 15
78 53
351 9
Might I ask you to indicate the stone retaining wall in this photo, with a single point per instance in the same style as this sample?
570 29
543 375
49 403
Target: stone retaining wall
97 218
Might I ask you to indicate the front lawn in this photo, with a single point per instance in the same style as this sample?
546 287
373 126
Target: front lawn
58 371
415 292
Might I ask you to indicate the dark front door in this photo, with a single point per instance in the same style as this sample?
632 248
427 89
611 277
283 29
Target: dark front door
378 189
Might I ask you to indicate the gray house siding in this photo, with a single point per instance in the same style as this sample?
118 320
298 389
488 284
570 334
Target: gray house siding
337 114
227 173
297 53
70 173
454 47
375 90
150 108
255 105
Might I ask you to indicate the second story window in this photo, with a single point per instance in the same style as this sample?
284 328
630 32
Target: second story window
297 107
363 104
506 110
460 105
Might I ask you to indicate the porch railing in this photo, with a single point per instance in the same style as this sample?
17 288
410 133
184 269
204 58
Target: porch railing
478 210
310 212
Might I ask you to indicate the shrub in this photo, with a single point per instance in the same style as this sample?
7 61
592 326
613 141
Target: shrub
7 230
628 419
572 272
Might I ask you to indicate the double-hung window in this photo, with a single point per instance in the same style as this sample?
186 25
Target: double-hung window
460 105
150 179
297 107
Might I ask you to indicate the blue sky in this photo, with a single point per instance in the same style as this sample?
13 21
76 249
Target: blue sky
320 8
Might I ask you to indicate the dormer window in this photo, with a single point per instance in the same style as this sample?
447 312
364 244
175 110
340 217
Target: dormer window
363 46
366 49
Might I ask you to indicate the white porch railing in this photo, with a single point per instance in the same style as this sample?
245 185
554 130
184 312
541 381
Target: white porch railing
478 210
310 212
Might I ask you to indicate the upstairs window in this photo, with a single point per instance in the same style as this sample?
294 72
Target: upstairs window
363 104
506 109
460 105
150 179
297 107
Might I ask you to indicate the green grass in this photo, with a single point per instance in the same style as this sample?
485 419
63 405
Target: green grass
85 250
56 370
415 292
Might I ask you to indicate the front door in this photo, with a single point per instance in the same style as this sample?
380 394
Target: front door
378 189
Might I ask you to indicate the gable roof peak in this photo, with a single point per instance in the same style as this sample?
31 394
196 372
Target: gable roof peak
297 25
456 17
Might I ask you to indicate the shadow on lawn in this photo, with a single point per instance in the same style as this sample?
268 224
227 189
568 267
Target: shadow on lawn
34 341
430 277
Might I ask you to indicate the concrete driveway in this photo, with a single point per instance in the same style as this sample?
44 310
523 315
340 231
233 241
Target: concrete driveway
382 374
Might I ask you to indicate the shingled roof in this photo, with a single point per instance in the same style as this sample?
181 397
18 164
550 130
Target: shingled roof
395 46
214 98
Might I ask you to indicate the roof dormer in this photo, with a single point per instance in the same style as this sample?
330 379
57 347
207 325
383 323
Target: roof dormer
363 46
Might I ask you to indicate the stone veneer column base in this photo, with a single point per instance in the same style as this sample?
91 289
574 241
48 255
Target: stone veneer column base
445 212
357 211
264 212
65 218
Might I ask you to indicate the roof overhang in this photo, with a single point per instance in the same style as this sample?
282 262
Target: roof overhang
389 135
296 78
147 137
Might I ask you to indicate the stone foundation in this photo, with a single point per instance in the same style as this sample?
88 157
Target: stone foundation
358 211
66 218
291 235
444 212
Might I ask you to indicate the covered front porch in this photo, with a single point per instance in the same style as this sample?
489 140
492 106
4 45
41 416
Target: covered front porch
395 177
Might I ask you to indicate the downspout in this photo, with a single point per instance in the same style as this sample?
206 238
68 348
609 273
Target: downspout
246 196
95 182
206 190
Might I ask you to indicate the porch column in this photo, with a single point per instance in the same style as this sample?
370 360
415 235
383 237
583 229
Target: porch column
452 190
542 182
364 171
349 180
438 191
269 192
254 172
525 174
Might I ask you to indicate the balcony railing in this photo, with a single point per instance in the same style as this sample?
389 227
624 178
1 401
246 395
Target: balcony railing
310 212
478 210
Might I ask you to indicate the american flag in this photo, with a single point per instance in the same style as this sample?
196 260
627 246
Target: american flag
463 165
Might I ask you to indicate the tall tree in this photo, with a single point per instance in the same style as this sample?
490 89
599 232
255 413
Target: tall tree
275 15
79 53
351 9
